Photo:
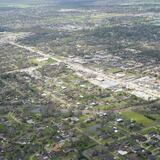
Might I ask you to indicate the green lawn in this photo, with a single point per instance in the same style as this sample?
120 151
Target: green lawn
139 118
14 5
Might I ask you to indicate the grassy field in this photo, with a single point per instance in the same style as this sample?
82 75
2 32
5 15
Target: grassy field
14 5
139 118
6 5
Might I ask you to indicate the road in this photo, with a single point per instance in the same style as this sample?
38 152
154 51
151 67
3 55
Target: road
31 49
28 70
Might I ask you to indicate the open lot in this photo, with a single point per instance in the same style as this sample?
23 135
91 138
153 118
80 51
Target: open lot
139 118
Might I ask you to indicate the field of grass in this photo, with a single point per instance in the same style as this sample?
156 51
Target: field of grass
114 70
14 5
139 118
